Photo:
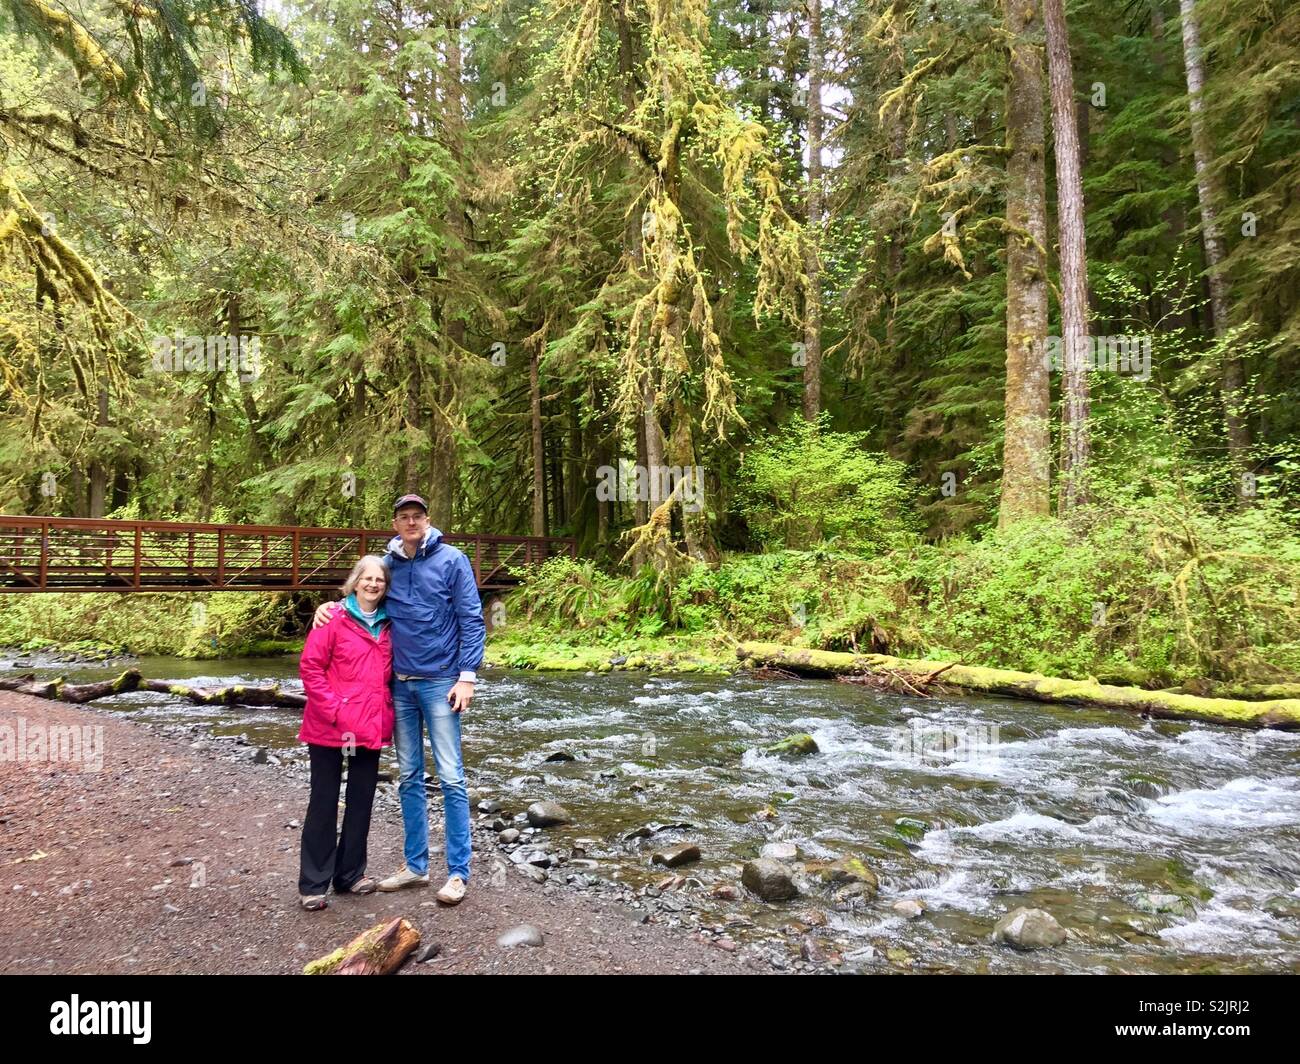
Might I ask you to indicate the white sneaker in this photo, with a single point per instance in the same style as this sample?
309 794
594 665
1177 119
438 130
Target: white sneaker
452 892
404 878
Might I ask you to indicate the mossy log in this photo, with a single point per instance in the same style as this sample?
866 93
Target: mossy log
59 689
379 950
131 680
1247 692
1276 713
235 695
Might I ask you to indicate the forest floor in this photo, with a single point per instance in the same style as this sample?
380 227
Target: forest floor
175 857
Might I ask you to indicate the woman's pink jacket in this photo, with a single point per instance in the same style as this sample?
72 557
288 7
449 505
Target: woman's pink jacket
346 672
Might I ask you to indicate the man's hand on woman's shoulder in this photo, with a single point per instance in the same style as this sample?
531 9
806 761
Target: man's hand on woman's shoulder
323 613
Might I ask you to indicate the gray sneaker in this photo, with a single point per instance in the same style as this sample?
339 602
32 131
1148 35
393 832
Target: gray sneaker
404 878
453 892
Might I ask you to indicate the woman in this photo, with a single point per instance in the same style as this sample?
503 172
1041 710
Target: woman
346 667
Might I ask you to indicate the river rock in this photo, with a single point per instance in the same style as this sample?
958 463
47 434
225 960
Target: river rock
910 828
770 880
780 851
800 744
1171 904
530 871
811 951
1284 906
673 856
1028 929
548 815
489 805
653 828
909 908
523 935
508 836
725 892
847 871
561 755
1148 785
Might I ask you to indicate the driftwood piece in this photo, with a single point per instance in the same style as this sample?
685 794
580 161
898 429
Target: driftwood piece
766 672
379 950
898 682
1276 713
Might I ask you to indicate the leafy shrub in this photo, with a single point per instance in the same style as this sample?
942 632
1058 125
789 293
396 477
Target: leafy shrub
805 485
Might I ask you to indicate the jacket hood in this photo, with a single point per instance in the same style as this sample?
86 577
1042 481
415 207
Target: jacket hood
431 540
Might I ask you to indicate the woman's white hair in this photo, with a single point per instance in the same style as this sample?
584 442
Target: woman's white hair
354 577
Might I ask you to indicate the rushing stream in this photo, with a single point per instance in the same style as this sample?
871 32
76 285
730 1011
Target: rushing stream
1161 847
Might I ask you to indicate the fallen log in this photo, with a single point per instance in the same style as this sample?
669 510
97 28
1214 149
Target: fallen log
86 692
1245 692
379 950
60 689
1276 713
235 695
131 680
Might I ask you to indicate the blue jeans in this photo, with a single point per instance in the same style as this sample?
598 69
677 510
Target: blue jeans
422 704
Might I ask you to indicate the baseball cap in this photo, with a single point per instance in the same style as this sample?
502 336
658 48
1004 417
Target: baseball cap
409 500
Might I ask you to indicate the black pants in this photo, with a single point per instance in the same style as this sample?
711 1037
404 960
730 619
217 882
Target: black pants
325 857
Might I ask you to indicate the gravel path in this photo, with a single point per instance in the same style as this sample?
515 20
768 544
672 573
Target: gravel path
173 857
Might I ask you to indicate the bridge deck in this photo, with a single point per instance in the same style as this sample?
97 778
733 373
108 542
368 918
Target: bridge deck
86 554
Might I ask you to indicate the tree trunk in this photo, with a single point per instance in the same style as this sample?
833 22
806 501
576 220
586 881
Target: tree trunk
538 444
1209 195
98 471
641 507
1026 459
411 466
558 496
443 456
1074 270
1170 313
207 485
812 332
605 454
235 329
695 519
442 453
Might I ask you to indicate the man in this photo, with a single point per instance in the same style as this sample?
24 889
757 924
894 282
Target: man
438 641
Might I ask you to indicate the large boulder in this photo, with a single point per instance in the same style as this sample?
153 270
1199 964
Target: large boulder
548 815
1029 929
673 856
846 872
770 880
803 743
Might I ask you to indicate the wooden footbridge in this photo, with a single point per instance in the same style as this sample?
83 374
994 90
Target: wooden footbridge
86 554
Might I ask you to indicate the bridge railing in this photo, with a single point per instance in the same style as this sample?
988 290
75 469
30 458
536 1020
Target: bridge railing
89 554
